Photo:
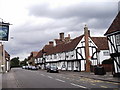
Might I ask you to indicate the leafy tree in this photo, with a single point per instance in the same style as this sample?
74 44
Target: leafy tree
24 63
15 62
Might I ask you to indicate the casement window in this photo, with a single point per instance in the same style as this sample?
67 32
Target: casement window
118 39
67 56
118 42
106 53
55 56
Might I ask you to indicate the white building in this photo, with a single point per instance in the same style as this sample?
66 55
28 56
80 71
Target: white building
69 54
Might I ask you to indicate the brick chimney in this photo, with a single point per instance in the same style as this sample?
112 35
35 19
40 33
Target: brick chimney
69 36
89 32
61 36
67 39
51 43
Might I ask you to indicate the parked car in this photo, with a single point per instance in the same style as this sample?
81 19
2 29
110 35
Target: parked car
52 69
34 68
26 67
29 67
23 67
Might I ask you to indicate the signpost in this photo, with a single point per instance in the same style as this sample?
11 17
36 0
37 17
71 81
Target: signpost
4 35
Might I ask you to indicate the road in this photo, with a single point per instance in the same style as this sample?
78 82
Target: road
21 78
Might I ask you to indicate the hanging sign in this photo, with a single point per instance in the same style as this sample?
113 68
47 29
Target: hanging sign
4 31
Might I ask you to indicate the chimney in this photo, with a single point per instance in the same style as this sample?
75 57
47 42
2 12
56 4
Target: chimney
62 36
86 36
51 43
118 6
89 32
69 36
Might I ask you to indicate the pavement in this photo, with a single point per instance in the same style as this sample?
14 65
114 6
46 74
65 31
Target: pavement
107 77
8 80
0 80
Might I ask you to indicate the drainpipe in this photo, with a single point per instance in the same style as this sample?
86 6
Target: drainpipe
86 33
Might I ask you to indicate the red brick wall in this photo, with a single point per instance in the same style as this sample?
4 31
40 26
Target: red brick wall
108 67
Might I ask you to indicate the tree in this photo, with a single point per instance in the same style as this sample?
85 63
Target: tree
15 62
24 63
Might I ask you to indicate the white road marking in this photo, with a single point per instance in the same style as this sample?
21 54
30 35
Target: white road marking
67 78
60 80
42 74
50 77
77 85
104 86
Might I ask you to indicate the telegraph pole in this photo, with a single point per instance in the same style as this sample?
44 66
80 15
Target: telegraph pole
86 33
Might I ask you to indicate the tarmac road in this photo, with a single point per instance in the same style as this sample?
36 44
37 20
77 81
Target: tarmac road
21 78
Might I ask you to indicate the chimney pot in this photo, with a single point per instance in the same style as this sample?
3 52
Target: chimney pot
69 35
62 36
51 43
89 32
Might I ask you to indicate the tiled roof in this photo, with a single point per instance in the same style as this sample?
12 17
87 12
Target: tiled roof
33 54
64 47
6 54
40 54
58 41
115 26
101 42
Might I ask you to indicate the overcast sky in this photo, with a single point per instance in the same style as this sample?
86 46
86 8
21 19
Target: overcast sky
36 22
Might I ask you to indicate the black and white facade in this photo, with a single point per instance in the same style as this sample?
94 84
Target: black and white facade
71 55
113 35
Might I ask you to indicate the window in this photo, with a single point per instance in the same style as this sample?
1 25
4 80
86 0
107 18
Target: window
55 56
118 39
106 53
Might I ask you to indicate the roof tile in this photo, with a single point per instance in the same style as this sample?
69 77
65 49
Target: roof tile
115 26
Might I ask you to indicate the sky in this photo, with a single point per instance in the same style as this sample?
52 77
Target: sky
36 22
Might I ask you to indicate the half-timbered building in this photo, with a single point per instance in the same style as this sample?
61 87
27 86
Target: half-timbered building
31 58
113 36
69 54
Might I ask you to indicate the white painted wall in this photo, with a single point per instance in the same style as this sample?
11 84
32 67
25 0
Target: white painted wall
102 57
71 55
76 65
83 65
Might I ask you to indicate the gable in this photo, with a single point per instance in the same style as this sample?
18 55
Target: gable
115 26
100 42
82 43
